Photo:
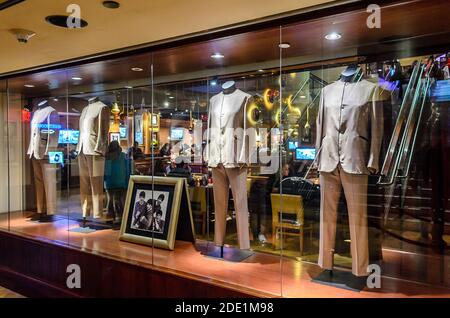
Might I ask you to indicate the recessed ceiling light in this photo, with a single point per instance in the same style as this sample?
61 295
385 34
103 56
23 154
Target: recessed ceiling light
171 97
260 71
128 87
29 85
303 97
61 21
111 4
166 104
76 78
137 69
55 99
333 36
217 56
284 45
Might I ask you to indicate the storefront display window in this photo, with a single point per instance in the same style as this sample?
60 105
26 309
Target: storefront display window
301 155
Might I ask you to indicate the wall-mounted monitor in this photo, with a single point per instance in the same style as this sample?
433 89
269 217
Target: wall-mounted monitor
292 145
155 120
305 153
114 137
68 137
56 157
176 134
123 132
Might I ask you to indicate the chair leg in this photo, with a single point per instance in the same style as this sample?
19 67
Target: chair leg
203 224
275 238
301 241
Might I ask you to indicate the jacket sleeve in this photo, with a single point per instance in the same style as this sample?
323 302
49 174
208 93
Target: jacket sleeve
248 146
376 127
103 131
208 135
54 127
319 128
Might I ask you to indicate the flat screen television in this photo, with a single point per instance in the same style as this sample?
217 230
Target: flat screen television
305 153
177 134
69 137
114 137
139 138
292 145
123 132
56 157
154 120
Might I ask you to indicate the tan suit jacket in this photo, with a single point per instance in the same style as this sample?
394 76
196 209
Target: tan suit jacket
94 128
44 132
349 127
227 143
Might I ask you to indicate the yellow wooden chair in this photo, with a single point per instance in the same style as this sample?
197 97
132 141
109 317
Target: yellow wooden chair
289 205
197 195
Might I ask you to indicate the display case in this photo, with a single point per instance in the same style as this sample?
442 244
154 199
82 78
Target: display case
304 158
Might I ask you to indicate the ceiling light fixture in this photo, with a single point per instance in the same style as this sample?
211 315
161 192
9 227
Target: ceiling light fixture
29 85
61 21
137 69
260 71
171 97
128 87
111 4
217 56
333 36
166 104
76 78
285 45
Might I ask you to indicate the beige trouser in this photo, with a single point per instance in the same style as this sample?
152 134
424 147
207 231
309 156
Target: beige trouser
92 170
237 178
355 190
45 184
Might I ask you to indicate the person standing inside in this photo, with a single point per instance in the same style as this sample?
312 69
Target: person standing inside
117 174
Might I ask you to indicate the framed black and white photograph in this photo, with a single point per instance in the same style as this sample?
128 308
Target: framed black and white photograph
151 211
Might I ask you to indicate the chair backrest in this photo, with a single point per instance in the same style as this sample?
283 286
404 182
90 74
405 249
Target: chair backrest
198 195
288 205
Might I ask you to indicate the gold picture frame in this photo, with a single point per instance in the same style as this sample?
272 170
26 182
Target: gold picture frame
140 224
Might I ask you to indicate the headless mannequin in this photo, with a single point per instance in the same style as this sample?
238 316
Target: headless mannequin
94 121
227 112
345 161
44 172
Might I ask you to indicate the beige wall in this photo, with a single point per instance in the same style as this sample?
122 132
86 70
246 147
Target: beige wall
14 192
136 22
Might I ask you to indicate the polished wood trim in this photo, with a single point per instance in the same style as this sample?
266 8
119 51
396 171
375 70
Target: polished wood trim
38 269
302 15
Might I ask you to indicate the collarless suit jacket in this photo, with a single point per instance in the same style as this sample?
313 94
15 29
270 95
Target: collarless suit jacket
226 135
44 132
349 127
94 128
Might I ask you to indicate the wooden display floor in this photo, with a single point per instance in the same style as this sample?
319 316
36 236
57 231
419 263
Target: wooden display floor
260 275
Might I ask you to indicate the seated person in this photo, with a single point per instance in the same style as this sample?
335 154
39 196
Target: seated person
135 152
165 150
182 171
287 173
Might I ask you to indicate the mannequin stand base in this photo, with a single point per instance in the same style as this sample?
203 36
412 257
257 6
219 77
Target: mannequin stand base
226 253
341 279
43 218
93 226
